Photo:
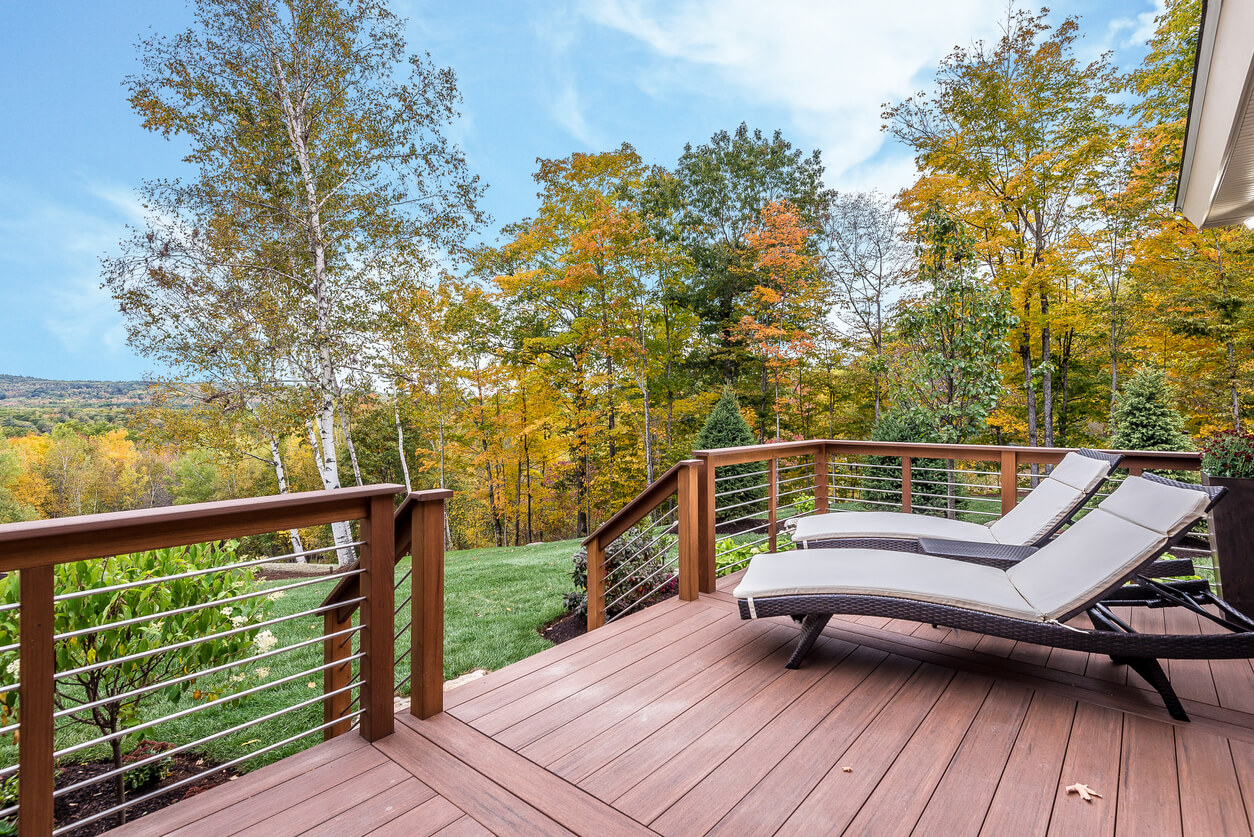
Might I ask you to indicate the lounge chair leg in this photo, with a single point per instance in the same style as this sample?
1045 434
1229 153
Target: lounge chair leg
811 627
1153 674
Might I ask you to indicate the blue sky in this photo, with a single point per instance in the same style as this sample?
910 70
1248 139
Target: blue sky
539 79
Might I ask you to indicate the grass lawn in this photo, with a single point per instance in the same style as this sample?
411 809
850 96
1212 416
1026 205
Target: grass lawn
496 600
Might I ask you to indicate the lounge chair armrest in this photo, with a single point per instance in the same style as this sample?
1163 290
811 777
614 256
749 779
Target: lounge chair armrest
990 554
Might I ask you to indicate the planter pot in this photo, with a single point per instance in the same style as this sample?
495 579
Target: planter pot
1231 526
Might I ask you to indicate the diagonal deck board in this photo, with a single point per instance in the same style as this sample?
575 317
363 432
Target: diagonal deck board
682 720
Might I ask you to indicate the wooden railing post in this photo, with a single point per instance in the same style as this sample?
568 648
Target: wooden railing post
820 480
596 583
427 603
378 581
706 502
334 677
37 676
1009 480
689 555
772 498
907 485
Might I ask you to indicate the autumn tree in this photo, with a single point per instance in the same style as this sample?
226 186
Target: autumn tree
723 186
322 180
1007 138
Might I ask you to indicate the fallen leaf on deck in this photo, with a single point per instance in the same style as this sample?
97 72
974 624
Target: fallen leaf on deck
1086 793
846 769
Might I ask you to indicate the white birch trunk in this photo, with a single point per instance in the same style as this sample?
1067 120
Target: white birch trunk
280 474
400 444
348 440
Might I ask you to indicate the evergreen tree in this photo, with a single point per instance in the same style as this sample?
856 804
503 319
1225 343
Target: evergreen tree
883 482
1145 416
727 428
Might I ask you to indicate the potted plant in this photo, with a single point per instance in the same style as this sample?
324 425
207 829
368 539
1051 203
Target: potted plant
1228 460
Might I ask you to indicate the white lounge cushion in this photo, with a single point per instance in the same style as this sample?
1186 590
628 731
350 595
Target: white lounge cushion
1037 514
1081 472
1106 545
875 572
874 524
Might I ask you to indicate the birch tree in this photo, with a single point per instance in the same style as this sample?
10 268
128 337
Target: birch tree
321 182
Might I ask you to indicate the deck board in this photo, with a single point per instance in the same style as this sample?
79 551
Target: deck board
682 720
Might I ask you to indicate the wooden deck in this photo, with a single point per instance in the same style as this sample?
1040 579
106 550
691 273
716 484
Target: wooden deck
682 720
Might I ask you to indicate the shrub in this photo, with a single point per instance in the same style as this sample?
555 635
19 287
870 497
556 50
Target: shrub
147 637
1229 453
727 428
904 426
630 574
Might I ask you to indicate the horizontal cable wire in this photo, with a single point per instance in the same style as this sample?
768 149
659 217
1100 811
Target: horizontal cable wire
154 687
156 617
718 479
175 785
192 710
640 599
188 643
642 582
95 591
211 737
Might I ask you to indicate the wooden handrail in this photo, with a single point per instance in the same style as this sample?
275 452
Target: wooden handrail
1133 459
680 480
42 543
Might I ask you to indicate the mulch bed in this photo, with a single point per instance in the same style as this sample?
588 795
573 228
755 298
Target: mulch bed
565 627
91 799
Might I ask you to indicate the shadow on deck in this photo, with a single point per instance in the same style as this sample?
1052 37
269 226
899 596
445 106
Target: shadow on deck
681 719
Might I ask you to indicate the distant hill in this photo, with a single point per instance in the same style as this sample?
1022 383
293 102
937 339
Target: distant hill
21 391
37 405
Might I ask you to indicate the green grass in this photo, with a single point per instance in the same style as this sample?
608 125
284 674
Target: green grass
496 600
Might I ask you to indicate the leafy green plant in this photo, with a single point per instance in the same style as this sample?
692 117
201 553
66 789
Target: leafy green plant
1145 416
631 575
145 651
138 778
1229 453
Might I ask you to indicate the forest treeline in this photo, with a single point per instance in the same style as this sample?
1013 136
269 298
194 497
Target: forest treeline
311 288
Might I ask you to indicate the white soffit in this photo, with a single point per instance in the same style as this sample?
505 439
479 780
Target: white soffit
1216 185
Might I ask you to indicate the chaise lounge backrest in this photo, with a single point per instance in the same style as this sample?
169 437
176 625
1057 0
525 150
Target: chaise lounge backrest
1048 506
1114 540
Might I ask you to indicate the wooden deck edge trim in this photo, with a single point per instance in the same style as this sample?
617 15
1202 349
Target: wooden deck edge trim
230 793
492 805
553 795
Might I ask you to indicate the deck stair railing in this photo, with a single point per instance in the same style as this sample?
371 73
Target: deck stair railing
745 496
230 698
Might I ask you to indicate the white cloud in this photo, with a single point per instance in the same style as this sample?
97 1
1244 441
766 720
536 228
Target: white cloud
829 66
1136 30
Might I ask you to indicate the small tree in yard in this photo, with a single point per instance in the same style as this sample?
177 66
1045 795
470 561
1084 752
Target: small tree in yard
114 685
1145 416
727 428
884 486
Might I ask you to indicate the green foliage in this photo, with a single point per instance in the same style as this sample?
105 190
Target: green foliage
904 425
949 335
727 428
634 572
1145 416
1229 453
153 636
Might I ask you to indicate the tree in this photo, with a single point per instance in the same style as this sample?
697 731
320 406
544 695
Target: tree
723 187
1145 416
950 336
866 257
322 183
727 428
1007 140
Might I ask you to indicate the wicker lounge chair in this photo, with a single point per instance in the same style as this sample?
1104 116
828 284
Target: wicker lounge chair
1049 507
1031 601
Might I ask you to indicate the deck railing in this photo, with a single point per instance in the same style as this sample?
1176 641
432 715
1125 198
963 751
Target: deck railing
221 697
744 497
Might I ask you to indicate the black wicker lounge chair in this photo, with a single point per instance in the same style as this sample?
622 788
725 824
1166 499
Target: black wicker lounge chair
1030 602
1040 516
